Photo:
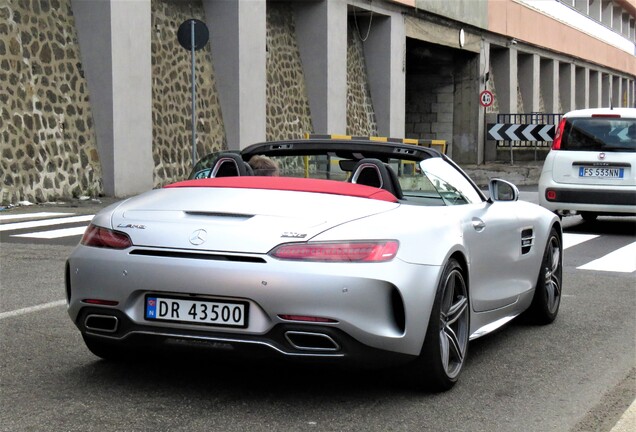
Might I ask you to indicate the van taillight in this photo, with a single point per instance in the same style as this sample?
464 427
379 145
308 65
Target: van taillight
550 195
556 142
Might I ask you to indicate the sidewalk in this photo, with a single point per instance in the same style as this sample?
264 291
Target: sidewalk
627 423
520 174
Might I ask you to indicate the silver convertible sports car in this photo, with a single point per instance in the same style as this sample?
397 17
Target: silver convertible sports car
357 251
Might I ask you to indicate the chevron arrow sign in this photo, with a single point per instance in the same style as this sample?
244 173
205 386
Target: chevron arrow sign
520 132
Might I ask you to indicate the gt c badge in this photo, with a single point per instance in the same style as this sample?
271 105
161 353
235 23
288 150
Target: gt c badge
135 226
289 234
198 237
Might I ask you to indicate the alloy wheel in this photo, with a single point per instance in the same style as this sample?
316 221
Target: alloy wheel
453 337
552 271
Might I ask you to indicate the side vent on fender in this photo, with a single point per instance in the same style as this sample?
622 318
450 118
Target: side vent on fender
527 240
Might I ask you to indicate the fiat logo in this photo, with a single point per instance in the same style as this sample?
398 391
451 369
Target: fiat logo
601 156
198 237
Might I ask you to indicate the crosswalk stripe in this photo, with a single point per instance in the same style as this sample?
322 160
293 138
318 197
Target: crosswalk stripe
33 215
42 223
52 234
570 240
621 260
30 309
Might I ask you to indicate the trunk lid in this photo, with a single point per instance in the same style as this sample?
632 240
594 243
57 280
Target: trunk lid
235 220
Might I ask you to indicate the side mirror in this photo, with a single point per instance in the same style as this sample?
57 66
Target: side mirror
502 190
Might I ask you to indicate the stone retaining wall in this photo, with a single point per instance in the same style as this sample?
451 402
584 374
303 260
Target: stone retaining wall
47 138
288 114
172 95
48 143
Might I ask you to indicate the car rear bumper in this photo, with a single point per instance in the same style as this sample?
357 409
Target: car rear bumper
602 200
372 304
293 341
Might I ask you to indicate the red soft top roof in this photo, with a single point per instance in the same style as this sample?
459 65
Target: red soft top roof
291 184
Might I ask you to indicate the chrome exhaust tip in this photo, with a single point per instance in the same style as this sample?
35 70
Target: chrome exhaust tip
102 323
309 341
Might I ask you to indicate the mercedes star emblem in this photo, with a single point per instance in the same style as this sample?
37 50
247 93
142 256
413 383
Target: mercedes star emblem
198 237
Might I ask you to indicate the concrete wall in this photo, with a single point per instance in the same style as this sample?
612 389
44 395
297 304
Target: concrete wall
473 12
120 88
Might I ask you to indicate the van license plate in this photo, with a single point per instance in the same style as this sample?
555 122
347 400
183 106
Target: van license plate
601 172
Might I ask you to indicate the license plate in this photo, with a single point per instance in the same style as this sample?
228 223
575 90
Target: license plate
207 312
601 172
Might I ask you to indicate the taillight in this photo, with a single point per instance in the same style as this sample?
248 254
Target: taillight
104 238
354 251
550 195
556 142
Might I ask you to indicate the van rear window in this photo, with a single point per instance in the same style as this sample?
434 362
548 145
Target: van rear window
599 134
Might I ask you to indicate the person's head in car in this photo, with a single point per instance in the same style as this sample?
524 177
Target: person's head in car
264 166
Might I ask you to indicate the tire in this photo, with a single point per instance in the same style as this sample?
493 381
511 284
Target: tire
446 344
104 349
547 292
589 216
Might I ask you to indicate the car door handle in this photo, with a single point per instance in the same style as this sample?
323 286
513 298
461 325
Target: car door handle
478 224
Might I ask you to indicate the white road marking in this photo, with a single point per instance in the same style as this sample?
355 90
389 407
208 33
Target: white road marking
47 222
52 234
570 240
27 310
32 215
621 260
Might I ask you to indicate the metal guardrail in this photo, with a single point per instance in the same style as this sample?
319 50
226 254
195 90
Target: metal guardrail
532 118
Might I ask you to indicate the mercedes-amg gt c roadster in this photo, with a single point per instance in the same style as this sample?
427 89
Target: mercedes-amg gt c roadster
357 251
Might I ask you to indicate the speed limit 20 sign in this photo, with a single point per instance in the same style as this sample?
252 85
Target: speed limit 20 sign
486 98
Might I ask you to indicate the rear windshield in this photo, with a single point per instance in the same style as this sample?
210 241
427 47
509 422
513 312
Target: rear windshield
599 133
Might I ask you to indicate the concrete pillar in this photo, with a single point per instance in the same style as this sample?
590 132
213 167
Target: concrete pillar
321 32
616 91
582 86
567 86
595 89
550 84
504 64
114 40
384 52
529 72
606 90
238 40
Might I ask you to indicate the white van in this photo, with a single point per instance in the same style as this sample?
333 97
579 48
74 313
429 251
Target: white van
591 168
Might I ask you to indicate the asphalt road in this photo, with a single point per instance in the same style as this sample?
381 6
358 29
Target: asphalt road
575 375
